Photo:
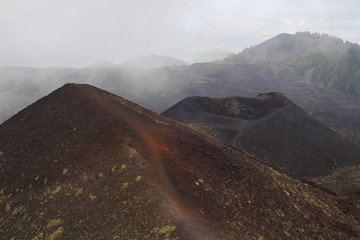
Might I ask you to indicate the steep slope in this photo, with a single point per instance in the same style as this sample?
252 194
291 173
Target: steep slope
83 163
272 128
286 48
282 48
337 69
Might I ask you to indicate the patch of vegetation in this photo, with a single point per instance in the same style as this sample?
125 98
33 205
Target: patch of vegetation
125 185
92 197
165 231
343 180
57 234
56 190
54 222
79 191
336 68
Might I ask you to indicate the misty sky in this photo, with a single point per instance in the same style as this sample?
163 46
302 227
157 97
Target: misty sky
80 32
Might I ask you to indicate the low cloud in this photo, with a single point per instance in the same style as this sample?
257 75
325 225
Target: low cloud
77 33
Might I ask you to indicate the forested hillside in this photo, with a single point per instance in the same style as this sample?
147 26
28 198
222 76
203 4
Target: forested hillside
337 67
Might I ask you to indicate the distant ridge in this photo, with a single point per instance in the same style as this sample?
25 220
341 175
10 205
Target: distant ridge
210 55
153 61
83 163
146 62
285 48
103 64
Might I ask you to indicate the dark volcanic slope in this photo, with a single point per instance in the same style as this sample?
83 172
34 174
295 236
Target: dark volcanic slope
83 163
281 48
272 128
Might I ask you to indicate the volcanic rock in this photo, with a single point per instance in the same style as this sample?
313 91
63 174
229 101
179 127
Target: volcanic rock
271 128
82 163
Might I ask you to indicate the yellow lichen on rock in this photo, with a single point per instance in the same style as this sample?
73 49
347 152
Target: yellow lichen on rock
125 185
8 207
92 197
164 230
54 222
85 177
167 229
17 210
56 190
79 191
57 234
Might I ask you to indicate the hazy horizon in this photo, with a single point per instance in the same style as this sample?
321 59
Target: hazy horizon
77 33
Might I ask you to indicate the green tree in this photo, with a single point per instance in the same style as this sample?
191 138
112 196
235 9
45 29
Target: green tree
337 68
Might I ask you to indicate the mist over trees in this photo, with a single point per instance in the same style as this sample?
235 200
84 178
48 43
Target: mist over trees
336 68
